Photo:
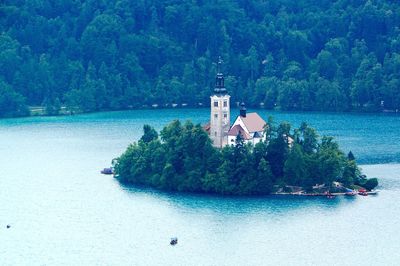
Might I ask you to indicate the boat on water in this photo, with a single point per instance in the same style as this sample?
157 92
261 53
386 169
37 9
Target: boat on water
107 171
350 192
362 192
174 241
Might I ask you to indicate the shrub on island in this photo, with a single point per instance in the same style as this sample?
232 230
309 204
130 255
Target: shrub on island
182 158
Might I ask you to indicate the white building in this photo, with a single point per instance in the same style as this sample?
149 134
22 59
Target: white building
249 126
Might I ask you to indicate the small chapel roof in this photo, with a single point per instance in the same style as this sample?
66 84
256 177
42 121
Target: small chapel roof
236 130
253 122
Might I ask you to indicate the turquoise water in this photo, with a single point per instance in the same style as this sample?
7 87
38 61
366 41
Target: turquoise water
63 212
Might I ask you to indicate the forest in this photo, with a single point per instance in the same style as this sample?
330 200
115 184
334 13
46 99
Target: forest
182 158
91 55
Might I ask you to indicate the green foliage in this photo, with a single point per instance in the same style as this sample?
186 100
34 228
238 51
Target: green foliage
295 166
294 55
182 158
149 134
331 161
371 183
350 156
11 102
52 107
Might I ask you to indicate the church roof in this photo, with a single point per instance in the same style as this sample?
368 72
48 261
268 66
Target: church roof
236 130
253 122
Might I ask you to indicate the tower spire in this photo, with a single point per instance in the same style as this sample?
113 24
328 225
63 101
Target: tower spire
219 79
243 110
219 64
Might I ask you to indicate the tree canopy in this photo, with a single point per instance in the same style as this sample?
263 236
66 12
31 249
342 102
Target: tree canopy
182 158
91 55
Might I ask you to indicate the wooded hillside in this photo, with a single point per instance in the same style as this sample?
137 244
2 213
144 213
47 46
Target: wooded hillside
290 54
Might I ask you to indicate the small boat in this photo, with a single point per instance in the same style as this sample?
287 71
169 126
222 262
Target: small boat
350 192
107 171
362 192
373 192
174 241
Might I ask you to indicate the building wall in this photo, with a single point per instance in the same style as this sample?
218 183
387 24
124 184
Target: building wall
220 119
231 140
254 141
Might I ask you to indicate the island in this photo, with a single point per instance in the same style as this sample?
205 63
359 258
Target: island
248 157
182 158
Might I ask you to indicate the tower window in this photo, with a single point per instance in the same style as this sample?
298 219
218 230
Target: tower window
215 133
225 103
216 115
215 104
225 115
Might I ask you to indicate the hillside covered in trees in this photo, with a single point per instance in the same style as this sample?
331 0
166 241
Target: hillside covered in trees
94 55
183 159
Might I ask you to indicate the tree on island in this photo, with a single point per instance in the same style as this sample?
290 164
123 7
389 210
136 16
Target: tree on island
182 158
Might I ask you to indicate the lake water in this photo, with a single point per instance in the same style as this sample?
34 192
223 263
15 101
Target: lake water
63 212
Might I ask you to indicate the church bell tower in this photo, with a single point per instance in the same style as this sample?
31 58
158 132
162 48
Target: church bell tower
220 111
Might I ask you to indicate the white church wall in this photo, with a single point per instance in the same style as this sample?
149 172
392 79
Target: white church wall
220 119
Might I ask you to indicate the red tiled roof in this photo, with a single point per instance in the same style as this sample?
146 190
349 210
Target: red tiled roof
207 128
253 122
234 131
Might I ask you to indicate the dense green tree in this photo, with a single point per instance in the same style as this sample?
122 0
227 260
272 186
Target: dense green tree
350 156
295 167
293 55
326 65
350 173
149 134
308 138
371 183
11 103
331 161
264 179
52 106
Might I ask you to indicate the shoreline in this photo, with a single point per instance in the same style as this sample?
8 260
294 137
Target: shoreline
272 194
374 192
39 111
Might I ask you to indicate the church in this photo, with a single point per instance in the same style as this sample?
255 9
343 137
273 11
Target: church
250 126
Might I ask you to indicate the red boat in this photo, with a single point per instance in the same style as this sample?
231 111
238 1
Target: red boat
362 192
